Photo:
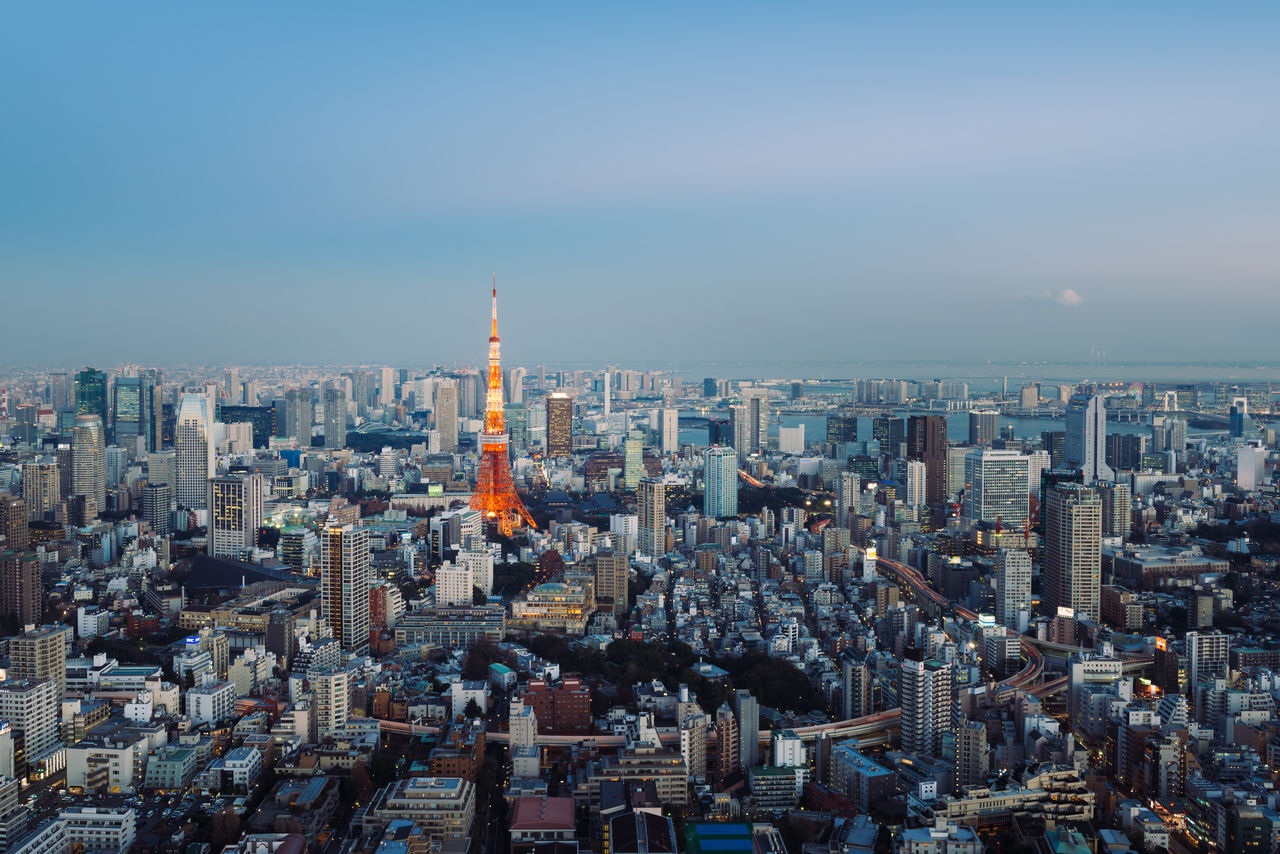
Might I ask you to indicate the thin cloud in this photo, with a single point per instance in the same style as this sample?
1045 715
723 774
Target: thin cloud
1069 298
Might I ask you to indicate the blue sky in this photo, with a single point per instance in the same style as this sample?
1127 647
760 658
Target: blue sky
338 182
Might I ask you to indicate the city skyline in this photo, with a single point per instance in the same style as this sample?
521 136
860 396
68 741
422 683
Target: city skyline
1068 177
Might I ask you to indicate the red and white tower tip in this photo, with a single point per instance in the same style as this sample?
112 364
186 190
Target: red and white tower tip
495 492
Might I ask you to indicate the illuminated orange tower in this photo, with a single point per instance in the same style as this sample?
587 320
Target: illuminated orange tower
495 492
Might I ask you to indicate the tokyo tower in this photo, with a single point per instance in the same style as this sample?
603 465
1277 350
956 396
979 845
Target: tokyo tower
495 492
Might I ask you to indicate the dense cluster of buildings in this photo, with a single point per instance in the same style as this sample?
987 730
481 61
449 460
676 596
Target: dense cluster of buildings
260 610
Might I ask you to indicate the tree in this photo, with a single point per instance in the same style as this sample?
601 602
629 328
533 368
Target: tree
472 709
478 596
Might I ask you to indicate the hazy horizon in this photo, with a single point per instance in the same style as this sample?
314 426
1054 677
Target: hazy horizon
297 183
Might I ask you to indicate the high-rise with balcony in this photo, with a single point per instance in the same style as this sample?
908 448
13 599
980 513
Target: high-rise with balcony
925 697
651 510
345 577
559 424
720 483
335 417
1013 586
1073 549
41 653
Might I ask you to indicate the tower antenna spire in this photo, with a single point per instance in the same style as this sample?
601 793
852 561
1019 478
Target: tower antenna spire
494 333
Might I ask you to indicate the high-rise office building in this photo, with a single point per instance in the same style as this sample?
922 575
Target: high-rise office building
91 394
1013 586
751 421
747 710
41 653
386 387
709 387
515 385
231 390
889 432
41 488
925 698
670 419
632 459
345 577
61 396
235 514
445 409
842 429
720 489
157 504
194 449
1073 549
984 426
1251 460
927 442
162 467
88 445
335 417
298 415
135 409
651 510
1087 437
559 424
997 487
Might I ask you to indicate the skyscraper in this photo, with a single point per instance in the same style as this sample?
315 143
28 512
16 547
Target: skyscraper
157 503
135 411
984 426
298 415
445 409
1207 656
632 459
927 442
88 447
1013 586
1087 437
235 514
842 429
728 744
651 508
344 585
1117 507
755 415
387 387
335 417
41 488
670 430
889 432
515 385
925 697
747 710
720 490
1073 549
21 587
15 532
559 424
91 394
194 450
916 475
998 487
